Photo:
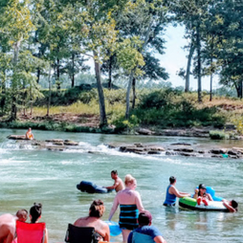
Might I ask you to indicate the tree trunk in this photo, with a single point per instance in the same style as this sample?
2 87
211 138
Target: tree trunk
58 74
240 90
49 98
3 99
211 87
110 74
188 69
128 94
38 75
199 63
133 93
13 115
72 75
103 119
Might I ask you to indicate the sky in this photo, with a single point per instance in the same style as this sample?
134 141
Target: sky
175 58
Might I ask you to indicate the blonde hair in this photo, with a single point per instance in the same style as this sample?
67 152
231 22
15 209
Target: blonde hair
129 179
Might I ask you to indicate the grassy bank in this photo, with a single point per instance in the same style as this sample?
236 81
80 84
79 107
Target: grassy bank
167 108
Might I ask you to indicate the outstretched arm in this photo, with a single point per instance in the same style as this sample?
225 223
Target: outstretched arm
174 191
116 184
230 208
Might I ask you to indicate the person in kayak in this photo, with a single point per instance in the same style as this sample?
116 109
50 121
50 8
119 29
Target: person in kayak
172 193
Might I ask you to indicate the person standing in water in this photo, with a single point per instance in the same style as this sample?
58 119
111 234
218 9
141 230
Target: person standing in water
118 183
29 135
130 206
172 193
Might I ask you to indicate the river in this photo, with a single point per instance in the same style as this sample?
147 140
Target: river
28 176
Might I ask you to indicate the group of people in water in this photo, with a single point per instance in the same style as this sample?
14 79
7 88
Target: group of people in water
200 195
134 220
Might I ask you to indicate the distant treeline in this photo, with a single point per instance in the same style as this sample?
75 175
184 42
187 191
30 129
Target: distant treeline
48 43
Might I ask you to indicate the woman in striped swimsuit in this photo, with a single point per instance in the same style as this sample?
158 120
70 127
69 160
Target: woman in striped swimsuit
130 206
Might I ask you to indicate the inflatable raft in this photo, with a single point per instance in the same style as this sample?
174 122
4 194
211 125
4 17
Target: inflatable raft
90 187
191 203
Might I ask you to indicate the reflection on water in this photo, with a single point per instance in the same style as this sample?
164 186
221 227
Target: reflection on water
28 175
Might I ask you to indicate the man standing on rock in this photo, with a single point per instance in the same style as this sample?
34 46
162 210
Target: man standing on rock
118 183
172 193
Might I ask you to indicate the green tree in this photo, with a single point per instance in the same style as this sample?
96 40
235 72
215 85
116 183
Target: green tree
16 25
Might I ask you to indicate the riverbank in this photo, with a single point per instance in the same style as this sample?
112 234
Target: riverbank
69 122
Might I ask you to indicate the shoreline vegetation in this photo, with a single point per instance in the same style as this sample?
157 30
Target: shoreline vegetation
159 112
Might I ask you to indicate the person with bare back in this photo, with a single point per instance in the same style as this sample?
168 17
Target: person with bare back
8 225
118 183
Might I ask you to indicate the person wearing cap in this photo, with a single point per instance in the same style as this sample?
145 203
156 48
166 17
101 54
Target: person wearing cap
145 233
172 193
201 195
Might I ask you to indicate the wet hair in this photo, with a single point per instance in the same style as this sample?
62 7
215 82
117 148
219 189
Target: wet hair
144 218
22 215
129 179
35 212
97 209
114 172
172 179
234 204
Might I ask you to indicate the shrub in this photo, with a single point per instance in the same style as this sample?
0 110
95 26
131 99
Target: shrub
218 135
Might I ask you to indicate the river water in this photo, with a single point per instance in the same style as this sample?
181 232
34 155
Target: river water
28 176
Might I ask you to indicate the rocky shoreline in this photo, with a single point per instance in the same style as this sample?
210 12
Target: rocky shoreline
174 149
179 149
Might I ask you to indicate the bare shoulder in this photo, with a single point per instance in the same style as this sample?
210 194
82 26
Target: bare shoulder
80 221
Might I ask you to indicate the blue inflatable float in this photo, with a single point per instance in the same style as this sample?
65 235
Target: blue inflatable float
211 191
90 187
114 228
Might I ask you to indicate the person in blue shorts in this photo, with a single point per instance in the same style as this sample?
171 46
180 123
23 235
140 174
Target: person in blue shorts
145 233
172 193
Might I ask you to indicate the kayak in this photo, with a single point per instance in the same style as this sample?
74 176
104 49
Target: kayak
191 203
90 187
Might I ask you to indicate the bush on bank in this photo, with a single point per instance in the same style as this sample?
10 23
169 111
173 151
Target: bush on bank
162 108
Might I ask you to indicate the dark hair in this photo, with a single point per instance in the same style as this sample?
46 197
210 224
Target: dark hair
114 172
201 186
35 212
144 218
97 209
172 179
22 215
234 203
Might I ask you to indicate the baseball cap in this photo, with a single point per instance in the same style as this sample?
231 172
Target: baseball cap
202 186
